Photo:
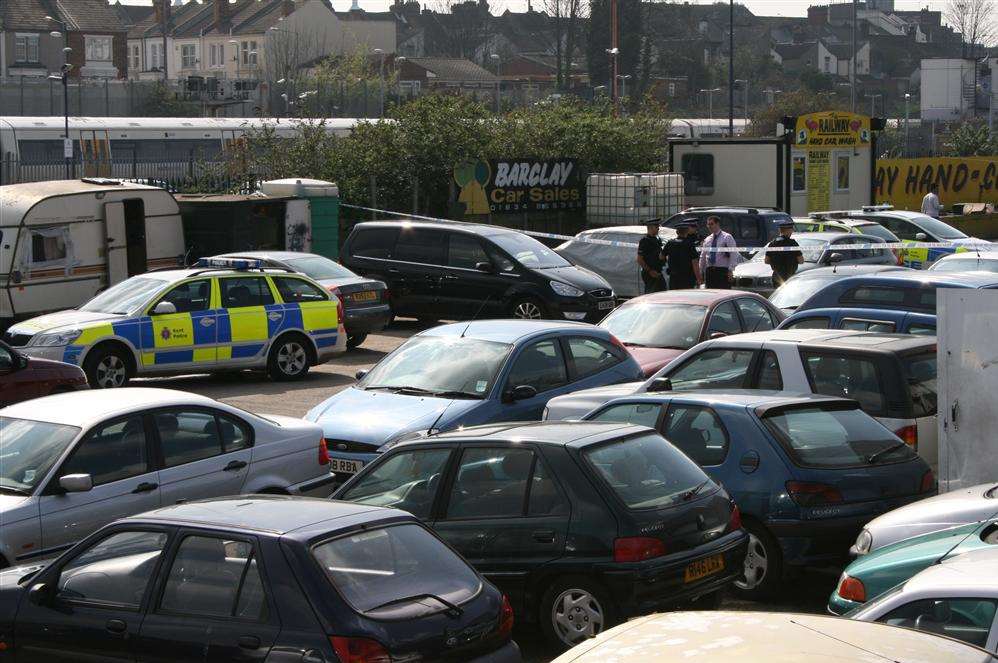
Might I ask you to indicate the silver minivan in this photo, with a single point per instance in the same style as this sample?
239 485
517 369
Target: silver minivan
72 463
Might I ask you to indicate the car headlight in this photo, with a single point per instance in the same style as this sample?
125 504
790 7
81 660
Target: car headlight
863 542
405 437
566 290
56 338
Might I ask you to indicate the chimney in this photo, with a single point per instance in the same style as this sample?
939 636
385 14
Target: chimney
222 15
157 8
355 6
817 15
287 6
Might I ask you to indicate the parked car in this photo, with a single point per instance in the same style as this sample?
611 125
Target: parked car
471 271
659 327
818 223
581 525
952 509
799 287
253 579
366 303
465 374
871 575
979 261
892 376
23 377
957 598
862 319
818 249
915 292
610 253
723 637
805 471
74 462
751 227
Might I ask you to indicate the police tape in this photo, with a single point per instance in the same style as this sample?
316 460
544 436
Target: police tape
902 246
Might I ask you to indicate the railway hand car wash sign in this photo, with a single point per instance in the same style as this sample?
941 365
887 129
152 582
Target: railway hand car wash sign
523 185
904 182
827 139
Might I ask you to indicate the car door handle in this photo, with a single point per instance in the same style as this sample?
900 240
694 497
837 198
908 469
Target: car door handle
234 465
116 626
249 642
145 487
207 322
544 536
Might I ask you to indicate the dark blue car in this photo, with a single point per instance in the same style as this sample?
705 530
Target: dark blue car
806 471
466 374
863 319
900 291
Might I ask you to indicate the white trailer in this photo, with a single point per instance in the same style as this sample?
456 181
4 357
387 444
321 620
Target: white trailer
63 241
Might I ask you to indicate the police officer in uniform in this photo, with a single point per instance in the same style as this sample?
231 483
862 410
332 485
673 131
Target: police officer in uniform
784 263
682 257
650 258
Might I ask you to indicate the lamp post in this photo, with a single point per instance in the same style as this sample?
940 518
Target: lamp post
235 58
597 90
613 53
623 84
398 76
907 98
744 83
67 142
381 79
873 102
498 61
710 101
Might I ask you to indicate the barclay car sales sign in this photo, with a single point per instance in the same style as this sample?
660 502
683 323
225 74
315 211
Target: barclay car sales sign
521 185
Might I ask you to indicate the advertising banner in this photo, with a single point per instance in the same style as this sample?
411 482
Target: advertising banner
904 182
521 185
832 129
819 179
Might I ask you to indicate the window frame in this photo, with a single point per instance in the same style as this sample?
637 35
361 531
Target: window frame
91 43
795 324
802 159
26 42
273 282
173 286
774 323
443 241
274 295
464 236
507 384
573 372
713 311
53 487
188 56
662 407
440 498
660 428
838 163
992 631
848 298
885 394
722 348
868 322
150 416
757 368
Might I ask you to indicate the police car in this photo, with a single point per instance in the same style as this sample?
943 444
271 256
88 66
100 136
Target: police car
219 315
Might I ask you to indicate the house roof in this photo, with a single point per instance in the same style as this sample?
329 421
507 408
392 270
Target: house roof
453 69
792 51
24 15
87 15
129 15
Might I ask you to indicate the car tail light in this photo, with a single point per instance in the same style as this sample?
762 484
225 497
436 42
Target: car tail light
637 548
908 435
735 523
807 493
359 650
852 589
506 618
928 482
323 452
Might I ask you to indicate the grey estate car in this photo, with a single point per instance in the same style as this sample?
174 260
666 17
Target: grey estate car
74 462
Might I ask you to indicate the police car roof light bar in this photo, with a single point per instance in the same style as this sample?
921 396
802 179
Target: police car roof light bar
239 264
878 208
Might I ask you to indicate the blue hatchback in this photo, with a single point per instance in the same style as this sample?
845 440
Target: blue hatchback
466 374
863 319
806 471
899 291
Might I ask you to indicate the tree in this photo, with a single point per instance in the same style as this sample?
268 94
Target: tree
567 18
163 101
971 139
798 102
630 38
975 20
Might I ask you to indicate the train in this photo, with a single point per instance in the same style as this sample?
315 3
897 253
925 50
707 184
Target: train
153 148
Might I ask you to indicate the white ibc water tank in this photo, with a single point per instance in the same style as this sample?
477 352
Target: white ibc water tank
300 188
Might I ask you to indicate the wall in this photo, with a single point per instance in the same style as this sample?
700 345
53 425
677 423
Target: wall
904 182
744 173
942 82
49 51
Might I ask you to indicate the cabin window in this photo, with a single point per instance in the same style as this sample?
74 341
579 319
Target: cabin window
698 171
842 172
49 247
799 167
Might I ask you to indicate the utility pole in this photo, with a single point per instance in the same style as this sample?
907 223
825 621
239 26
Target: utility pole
67 142
742 81
615 52
907 100
852 63
166 28
731 68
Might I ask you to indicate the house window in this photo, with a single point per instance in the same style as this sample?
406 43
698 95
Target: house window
828 64
135 59
217 55
156 56
248 52
26 48
672 89
98 49
188 56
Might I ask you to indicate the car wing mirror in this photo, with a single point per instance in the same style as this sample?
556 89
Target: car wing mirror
40 593
76 483
660 384
485 267
835 258
164 308
520 392
716 335
360 374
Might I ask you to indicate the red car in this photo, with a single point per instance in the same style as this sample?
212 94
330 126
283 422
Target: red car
659 327
23 378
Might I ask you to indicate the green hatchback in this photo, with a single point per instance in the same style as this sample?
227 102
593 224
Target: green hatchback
875 573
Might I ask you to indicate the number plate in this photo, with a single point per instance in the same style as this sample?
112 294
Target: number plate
603 306
702 568
344 466
365 296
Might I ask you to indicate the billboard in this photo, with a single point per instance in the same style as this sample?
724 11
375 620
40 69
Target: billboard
904 182
522 185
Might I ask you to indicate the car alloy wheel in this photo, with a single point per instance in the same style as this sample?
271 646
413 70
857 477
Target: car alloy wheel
111 372
576 616
527 310
756 565
292 358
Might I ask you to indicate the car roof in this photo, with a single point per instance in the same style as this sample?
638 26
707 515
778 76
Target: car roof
878 313
557 433
843 271
975 571
461 226
983 255
181 274
826 235
268 255
508 331
721 398
838 338
84 408
928 278
275 514
704 297
630 230
733 210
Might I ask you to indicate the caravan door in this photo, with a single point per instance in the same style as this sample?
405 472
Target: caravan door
115 242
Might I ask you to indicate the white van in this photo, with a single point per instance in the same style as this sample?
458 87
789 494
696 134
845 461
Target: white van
63 241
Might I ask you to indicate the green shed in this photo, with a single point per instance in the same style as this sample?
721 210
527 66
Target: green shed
324 199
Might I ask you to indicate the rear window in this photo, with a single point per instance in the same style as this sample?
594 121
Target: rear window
373 242
874 295
920 371
828 437
396 572
808 323
645 472
847 376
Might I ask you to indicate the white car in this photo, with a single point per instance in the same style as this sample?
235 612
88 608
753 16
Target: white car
954 509
967 261
72 463
766 637
892 376
610 252
957 598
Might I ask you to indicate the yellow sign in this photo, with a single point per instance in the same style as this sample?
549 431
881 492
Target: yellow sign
819 179
904 182
832 129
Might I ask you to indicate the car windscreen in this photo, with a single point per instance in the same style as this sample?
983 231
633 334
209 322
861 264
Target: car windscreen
797 290
821 436
965 265
920 371
810 247
125 297
657 325
937 227
440 365
28 450
877 230
646 471
399 572
320 268
529 252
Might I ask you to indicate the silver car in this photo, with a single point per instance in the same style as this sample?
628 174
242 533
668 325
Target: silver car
72 463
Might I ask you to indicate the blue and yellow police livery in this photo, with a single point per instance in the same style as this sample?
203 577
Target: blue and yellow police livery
222 315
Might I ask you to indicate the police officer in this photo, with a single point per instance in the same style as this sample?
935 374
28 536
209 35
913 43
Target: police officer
650 258
682 257
784 263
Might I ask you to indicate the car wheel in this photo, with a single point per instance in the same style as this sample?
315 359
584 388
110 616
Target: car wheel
354 340
574 609
288 358
107 368
527 308
763 571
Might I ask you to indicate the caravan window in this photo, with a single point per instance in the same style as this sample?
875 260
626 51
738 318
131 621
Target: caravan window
698 169
49 247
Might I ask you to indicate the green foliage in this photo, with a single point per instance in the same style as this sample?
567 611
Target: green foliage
798 102
971 139
162 101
